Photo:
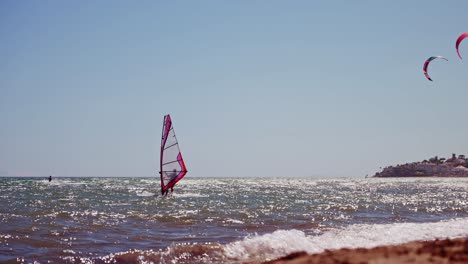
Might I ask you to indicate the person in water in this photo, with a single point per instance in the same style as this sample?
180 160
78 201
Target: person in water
172 176
50 178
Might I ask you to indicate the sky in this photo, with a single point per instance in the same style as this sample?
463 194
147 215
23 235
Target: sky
254 88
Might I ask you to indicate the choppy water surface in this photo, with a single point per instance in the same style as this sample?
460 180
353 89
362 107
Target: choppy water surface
219 220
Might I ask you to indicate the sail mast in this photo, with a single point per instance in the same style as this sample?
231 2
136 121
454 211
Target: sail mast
161 153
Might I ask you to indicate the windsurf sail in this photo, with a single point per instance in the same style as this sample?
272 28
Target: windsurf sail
172 166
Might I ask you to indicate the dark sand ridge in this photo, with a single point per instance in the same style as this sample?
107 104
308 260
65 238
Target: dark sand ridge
438 251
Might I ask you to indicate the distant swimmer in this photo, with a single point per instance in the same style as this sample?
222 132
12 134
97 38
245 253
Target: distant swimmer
50 178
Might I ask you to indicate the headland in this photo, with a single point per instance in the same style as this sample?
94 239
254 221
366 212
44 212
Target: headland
456 166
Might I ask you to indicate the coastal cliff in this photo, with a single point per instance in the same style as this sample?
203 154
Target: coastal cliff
434 167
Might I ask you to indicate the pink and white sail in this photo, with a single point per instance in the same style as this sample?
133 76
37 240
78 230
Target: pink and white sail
172 166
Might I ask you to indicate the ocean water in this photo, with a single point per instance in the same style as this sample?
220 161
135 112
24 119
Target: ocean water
219 220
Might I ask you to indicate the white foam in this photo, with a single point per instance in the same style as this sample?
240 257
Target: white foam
268 246
145 194
186 195
283 242
234 221
62 182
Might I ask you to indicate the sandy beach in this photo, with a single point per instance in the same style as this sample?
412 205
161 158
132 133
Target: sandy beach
438 251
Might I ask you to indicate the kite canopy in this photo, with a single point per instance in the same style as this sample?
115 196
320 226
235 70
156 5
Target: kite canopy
426 64
459 40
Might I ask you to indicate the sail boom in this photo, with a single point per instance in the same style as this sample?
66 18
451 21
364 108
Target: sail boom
170 162
175 144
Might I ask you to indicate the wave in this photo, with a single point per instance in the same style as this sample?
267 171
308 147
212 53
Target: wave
283 242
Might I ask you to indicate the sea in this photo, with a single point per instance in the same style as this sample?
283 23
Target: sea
220 220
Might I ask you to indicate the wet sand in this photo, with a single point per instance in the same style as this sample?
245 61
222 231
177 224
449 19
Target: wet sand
438 251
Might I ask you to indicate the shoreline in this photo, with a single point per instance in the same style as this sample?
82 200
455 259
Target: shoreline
434 251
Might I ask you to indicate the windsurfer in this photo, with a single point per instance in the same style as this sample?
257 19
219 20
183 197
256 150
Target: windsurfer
171 163
50 178
173 175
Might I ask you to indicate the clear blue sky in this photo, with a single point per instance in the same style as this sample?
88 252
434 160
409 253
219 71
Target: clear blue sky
255 88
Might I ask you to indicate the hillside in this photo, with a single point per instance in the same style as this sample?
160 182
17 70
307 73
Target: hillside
434 167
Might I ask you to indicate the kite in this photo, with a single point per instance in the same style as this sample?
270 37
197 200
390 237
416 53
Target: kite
459 40
426 64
